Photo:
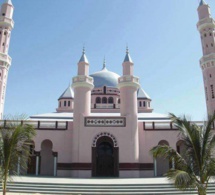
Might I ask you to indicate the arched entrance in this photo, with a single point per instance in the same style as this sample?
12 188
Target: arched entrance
162 164
47 158
105 156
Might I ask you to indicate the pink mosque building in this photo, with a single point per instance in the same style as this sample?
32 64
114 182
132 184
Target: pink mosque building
104 125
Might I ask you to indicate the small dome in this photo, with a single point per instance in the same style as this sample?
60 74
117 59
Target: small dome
105 78
141 94
67 94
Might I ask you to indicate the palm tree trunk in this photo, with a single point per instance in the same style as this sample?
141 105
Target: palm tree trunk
202 191
5 182
4 186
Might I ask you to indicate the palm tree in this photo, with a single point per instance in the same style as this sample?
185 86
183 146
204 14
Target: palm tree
196 165
14 148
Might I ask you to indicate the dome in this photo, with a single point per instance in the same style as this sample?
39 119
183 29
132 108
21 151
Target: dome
105 78
67 94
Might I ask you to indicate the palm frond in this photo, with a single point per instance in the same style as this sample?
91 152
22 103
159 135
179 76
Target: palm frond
182 180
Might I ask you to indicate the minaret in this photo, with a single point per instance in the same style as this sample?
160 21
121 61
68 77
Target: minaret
206 27
82 86
128 86
6 25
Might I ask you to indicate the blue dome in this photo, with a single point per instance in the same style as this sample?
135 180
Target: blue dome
105 78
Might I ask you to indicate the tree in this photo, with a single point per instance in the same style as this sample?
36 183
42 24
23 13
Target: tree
196 165
14 148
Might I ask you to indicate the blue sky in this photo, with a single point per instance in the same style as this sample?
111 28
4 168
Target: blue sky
163 40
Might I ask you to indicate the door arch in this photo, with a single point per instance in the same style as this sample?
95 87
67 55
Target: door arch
105 156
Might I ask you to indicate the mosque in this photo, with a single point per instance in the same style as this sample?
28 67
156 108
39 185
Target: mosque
104 125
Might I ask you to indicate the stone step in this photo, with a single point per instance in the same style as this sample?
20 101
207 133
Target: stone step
104 192
60 186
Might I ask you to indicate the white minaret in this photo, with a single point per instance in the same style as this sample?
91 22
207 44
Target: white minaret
206 27
128 86
6 25
82 85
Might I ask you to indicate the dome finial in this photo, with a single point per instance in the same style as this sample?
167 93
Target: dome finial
104 63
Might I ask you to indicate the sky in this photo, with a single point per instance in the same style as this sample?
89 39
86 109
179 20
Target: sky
162 37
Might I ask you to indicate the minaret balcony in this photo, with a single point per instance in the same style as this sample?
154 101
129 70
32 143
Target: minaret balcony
5 58
128 80
6 22
206 22
82 81
207 58
207 61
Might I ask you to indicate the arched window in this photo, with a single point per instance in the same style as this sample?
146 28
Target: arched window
110 100
64 103
98 100
68 103
140 104
104 100
60 104
148 104
118 101
144 104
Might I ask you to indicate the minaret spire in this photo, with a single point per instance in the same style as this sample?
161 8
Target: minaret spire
127 56
8 2
83 57
202 2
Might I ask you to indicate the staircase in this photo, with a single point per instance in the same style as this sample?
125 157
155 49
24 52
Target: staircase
46 185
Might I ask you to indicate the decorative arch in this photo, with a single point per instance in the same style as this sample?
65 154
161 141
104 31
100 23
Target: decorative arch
115 143
163 142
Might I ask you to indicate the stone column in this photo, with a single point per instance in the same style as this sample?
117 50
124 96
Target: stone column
18 166
173 163
55 154
155 167
37 162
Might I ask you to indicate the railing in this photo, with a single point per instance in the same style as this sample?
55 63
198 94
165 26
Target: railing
205 21
209 57
165 126
128 78
5 58
82 78
7 20
105 106
158 126
39 125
